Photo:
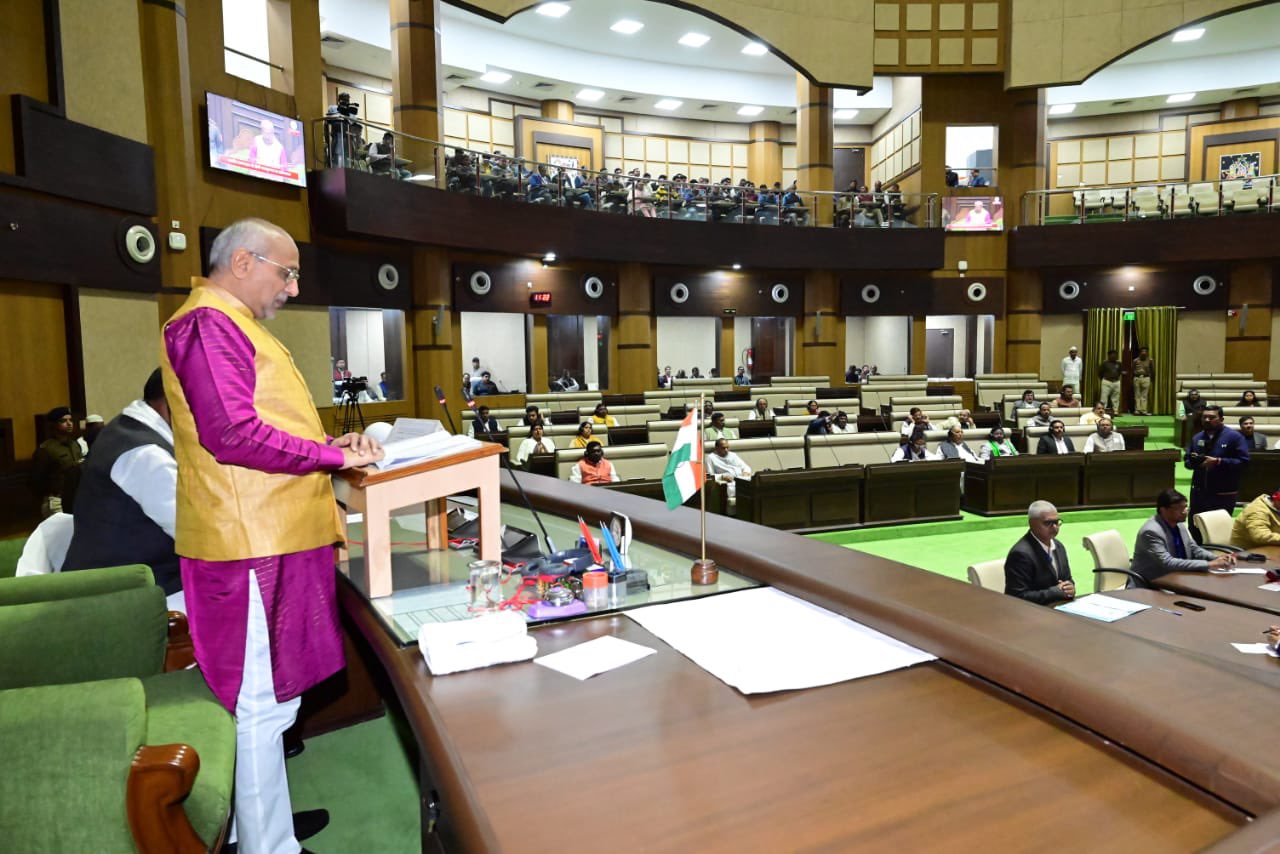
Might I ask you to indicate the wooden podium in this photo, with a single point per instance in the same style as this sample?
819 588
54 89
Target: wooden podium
429 483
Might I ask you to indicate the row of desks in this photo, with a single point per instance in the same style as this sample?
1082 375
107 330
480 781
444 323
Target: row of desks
1008 485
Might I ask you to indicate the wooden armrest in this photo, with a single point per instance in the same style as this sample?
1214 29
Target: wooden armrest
160 778
179 654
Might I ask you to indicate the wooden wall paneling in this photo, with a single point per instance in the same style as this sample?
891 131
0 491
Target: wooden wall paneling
1236 134
436 335
1133 286
34 352
748 294
415 67
764 154
820 339
635 362
1249 349
539 367
899 294
919 344
513 279
951 295
1022 324
102 66
24 69
1205 239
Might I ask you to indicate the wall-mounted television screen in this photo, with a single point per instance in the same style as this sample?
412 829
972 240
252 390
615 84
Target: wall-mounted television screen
253 141
973 213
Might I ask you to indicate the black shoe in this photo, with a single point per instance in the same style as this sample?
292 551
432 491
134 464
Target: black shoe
308 823
293 746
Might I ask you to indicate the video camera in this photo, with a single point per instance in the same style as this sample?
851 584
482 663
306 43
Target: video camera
352 386
345 107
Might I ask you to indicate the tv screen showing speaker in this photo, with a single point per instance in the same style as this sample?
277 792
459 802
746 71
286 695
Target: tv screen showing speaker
249 140
973 213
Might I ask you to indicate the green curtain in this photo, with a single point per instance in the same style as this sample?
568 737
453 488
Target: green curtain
1103 331
1157 330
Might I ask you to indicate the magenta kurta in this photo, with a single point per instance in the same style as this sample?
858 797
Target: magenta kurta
214 362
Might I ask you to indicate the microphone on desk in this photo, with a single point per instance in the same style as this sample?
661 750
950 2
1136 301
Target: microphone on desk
506 462
444 403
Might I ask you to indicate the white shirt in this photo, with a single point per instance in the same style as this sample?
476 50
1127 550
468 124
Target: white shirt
848 428
1071 371
1095 442
901 455
909 427
1061 445
1049 550
756 416
1090 418
729 466
149 474
529 443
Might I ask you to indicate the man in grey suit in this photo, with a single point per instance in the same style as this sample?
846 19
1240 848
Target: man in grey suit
1165 544
1037 568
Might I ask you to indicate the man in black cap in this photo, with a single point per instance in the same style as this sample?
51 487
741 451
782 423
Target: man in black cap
128 492
56 461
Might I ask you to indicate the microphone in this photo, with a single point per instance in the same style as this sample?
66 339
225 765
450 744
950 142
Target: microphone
444 402
506 462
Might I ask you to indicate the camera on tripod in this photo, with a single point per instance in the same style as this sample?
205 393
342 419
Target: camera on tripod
352 386
345 107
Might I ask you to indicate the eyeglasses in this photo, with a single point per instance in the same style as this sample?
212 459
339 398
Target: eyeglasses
1051 523
291 274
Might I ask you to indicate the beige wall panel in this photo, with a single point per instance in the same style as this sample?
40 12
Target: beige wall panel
919 16
121 339
1273 368
1146 169
502 109
788 157
986 16
1094 173
887 15
102 65
1202 342
504 133
1120 148
655 148
1146 145
1173 168
951 16
633 148
700 153
951 51
1093 149
612 145
628 165
455 141
304 330
1120 171
611 124
722 154
478 128
1173 142
886 51
1173 123
378 108
611 163
1068 174
455 123
740 156
919 51
985 51
1058 333
678 151
1069 151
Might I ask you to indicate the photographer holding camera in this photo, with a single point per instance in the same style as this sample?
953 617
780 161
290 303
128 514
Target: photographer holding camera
1216 456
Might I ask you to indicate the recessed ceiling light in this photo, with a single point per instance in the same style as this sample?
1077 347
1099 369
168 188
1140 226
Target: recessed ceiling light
1062 109
627 27
495 77
590 94
754 49
1188 35
553 10
737 266
844 115
750 111
667 104
1180 99
694 39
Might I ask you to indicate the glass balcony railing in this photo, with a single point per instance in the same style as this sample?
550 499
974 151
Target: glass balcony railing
1130 203
339 142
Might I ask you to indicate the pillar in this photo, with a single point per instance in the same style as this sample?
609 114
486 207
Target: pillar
415 67
635 369
815 144
435 336
764 153
820 336
1241 108
553 108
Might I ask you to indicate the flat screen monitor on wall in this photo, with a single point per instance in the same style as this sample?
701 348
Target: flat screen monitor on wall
973 213
256 142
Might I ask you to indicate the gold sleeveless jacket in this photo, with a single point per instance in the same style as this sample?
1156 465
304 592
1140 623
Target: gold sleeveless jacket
228 512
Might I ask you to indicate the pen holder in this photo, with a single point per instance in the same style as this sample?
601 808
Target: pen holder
704 572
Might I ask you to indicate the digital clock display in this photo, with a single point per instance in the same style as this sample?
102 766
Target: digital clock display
540 298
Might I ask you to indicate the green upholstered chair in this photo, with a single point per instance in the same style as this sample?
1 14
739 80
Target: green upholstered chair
107 746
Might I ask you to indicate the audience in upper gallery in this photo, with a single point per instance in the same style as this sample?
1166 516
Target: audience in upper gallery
726 466
593 469
1043 418
1066 397
1036 568
1056 441
1258 523
841 423
1104 439
1248 398
950 177
484 385
762 412
977 179
996 445
954 446
665 378
820 425
962 419
1165 543
917 419
914 448
382 158
565 382
56 464
532 416
484 423
741 378
127 497
1092 416
584 436
534 443
716 429
602 416
1255 440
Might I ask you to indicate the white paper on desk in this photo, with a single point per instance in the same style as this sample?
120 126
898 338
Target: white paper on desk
1256 649
1098 606
412 428
762 640
1273 586
595 656
427 447
1240 570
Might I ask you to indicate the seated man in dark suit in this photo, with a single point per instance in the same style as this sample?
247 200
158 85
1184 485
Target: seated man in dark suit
1037 568
1056 441
1165 544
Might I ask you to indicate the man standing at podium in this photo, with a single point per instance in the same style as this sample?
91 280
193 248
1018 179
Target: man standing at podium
256 519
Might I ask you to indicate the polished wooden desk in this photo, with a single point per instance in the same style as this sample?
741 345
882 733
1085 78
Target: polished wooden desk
921 491
1007 485
1127 478
377 493
1239 590
803 500
1135 437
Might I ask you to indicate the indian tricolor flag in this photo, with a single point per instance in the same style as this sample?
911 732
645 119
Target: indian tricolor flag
683 476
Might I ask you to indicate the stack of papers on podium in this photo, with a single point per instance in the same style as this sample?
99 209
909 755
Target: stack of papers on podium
763 640
413 440
1099 606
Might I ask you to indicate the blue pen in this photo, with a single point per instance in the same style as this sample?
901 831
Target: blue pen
618 565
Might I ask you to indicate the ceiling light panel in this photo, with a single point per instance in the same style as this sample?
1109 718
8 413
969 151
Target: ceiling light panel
627 27
750 111
694 39
495 76
590 95
1062 109
754 49
844 115
667 104
553 10
1180 99
1188 35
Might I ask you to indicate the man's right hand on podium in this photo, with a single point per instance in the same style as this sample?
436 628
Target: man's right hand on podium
352 458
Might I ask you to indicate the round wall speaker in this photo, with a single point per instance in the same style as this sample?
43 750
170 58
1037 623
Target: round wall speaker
976 292
481 284
780 293
679 292
139 244
1204 285
871 293
594 287
1069 289
388 277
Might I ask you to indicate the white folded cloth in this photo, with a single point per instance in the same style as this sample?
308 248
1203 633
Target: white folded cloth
467 644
